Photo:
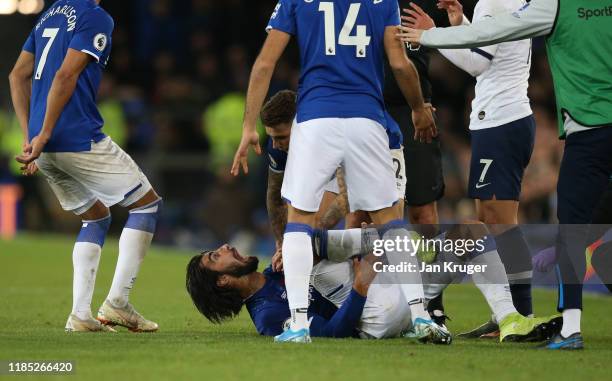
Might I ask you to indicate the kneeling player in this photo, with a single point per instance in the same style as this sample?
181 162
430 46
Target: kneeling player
57 75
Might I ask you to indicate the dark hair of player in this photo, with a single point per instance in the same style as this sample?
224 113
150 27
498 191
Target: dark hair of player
216 303
279 109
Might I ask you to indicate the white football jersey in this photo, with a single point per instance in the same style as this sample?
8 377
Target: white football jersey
501 90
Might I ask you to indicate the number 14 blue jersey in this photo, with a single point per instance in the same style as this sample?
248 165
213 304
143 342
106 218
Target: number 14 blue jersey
341 52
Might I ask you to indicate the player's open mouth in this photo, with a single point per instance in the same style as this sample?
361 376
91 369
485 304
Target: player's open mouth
237 255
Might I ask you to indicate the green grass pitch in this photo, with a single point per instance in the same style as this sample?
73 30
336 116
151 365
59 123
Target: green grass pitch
35 299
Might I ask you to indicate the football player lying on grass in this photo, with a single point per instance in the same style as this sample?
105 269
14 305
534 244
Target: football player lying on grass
348 298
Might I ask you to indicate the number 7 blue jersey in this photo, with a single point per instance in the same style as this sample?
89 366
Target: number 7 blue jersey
84 26
341 52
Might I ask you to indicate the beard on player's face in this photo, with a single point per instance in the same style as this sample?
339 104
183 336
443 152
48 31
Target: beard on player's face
247 267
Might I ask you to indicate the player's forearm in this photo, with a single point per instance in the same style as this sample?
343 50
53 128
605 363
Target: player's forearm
60 93
344 322
466 60
408 81
21 92
259 84
339 207
277 209
535 20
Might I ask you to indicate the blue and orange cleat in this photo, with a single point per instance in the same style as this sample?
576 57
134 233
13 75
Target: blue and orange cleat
289 336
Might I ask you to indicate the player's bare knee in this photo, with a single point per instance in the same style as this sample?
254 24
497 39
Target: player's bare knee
475 229
96 212
300 216
150 197
423 215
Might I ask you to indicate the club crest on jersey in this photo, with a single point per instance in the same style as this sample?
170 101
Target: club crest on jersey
100 42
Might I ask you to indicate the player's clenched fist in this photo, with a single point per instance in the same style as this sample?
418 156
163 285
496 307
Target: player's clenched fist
249 138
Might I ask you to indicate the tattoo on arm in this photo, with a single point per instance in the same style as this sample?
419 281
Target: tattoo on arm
339 207
277 208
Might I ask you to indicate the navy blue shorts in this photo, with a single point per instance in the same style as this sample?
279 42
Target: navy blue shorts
499 158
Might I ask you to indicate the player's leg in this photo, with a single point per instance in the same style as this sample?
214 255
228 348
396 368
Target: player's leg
134 243
501 217
423 186
87 250
110 174
371 187
315 152
499 158
601 229
583 178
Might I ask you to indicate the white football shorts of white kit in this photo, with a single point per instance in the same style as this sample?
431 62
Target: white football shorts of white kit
386 313
105 173
319 146
400 175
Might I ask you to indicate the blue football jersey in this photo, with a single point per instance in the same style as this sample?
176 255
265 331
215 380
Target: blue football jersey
84 26
341 47
269 308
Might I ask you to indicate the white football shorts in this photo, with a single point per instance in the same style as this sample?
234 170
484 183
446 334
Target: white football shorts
105 173
319 146
399 166
385 314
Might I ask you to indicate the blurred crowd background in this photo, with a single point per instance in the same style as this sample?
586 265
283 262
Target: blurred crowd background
173 98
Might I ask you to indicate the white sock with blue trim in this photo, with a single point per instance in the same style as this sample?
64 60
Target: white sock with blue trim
85 260
134 242
297 266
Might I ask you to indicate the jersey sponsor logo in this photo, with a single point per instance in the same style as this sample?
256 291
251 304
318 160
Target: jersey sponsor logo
100 41
599 12
481 115
478 186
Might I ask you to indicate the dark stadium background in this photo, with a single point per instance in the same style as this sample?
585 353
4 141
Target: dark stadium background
173 95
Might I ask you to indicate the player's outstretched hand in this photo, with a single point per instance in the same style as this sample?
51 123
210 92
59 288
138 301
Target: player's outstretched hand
409 35
424 124
31 152
416 18
240 159
454 9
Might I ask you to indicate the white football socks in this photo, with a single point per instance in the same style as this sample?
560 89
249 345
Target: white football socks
85 260
571 322
410 282
297 265
343 244
133 246
493 283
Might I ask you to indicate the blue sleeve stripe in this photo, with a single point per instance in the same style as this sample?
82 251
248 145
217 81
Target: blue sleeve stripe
486 55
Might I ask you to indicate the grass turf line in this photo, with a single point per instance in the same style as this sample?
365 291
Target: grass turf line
35 299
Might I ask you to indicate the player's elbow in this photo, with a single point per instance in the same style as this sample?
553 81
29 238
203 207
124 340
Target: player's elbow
263 66
17 76
400 65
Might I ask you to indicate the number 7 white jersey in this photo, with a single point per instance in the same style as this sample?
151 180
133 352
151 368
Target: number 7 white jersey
341 50
501 70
